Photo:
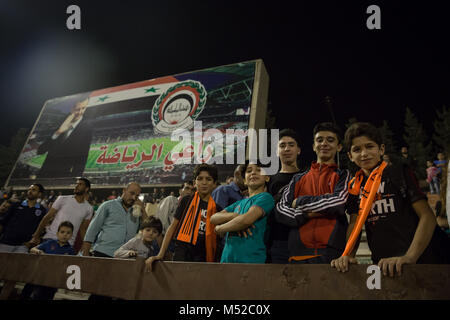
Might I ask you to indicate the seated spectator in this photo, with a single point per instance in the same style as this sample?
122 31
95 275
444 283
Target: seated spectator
20 221
146 243
60 246
243 214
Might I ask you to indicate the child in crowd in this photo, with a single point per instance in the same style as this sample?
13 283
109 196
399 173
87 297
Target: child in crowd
146 243
432 178
243 214
191 227
60 246
400 225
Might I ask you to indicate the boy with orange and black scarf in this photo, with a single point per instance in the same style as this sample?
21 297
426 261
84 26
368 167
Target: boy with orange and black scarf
400 225
313 204
195 239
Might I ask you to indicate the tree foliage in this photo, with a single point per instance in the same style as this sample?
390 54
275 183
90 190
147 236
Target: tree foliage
419 148
442 130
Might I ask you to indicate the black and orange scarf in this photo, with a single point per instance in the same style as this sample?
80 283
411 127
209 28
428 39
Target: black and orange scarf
365 205
190 223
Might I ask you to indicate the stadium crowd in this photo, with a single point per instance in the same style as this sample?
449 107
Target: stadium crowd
313 216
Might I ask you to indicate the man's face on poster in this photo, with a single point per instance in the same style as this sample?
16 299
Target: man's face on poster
79 110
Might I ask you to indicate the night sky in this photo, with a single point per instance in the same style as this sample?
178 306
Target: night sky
310 51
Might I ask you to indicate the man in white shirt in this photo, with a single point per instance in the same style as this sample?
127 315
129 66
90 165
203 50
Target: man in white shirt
169 204
73 208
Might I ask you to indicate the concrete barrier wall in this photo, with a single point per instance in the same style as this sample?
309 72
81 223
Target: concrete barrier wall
127 279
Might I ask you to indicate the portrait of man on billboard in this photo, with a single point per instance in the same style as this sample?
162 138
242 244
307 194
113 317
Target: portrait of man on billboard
67 149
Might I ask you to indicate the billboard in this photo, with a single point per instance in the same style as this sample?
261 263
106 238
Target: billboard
126 133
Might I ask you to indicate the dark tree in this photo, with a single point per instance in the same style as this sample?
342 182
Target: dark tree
419 148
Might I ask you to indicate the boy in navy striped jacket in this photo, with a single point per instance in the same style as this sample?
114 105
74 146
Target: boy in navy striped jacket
313 205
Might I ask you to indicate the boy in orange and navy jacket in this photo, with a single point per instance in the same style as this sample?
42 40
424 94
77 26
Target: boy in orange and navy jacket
313 204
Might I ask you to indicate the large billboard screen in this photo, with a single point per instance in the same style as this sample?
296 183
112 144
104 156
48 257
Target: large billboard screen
125 133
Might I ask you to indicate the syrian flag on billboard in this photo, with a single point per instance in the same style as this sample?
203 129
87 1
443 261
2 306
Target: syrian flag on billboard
174 104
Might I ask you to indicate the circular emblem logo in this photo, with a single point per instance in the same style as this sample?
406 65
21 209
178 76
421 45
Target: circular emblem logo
178 107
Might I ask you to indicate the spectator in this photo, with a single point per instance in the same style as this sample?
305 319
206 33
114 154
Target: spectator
432 178
313 204
387 159
168 206
59 246
156 194
406 159
288 151
229 180
73 208
113 195
15 198
187 189
20 221
194 242
51 198
243 214
146 243
114 223
151 207
440 163
402 232
226 195
163 193
4 207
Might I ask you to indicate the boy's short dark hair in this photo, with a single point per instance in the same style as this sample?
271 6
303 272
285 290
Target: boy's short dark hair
189 182
246 164
212 171
290 133
86 182
67 224
152 222
40 187
328 126
360 129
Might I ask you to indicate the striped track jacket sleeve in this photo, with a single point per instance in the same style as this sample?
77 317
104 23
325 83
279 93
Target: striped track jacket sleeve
284 213
331 203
